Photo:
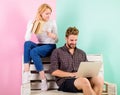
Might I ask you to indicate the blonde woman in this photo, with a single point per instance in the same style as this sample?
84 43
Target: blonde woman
47 38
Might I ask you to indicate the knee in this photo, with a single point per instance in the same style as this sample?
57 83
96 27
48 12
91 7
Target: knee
33 52
86 83
100 82
27 44
83 83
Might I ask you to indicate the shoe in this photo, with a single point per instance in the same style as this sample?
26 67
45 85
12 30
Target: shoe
26 77
44 85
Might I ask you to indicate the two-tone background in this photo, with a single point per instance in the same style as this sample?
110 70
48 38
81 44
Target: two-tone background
97 20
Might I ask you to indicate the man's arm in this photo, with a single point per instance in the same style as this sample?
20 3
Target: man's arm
54 66
60 73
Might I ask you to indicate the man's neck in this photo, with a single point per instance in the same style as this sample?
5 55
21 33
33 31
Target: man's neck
71 51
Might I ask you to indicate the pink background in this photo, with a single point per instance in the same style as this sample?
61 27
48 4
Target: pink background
14 15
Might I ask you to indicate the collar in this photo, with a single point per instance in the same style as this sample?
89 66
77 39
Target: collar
67 49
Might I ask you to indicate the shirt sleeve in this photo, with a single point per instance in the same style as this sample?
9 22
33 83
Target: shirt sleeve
54 61
55 30
28 31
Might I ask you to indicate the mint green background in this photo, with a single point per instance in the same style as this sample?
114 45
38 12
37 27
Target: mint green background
99 25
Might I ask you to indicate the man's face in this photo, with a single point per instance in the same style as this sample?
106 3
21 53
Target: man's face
71 41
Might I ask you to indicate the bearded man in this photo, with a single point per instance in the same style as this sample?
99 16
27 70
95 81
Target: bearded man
64 65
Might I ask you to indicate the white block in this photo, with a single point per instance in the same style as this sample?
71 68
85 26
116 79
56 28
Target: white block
25 89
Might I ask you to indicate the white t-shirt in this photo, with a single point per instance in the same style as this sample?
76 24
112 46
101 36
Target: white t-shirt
49 26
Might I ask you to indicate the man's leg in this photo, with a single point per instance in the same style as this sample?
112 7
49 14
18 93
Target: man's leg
97 83
68 86
84 84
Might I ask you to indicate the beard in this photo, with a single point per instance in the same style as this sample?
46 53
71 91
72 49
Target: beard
71 46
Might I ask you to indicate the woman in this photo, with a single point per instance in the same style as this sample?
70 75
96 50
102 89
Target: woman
47 37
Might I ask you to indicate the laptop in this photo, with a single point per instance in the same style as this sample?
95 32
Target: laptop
89 69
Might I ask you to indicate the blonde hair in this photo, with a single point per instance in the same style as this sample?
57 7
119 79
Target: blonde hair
72 31
41 9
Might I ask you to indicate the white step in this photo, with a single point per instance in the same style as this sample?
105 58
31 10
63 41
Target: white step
53 92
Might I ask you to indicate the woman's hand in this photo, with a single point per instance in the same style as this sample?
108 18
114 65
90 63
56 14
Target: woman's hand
51 35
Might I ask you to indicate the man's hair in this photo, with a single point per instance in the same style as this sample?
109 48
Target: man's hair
72 31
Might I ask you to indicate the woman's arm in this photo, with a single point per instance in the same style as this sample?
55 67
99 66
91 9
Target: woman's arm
28 31
53 34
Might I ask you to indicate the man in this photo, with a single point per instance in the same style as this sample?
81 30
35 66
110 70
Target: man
64 65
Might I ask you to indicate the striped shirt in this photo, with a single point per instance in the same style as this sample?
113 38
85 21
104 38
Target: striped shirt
63 60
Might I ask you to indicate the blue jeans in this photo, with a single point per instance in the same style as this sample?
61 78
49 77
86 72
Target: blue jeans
35 52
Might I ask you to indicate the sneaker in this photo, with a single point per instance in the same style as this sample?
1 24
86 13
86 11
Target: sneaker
44 85
26 77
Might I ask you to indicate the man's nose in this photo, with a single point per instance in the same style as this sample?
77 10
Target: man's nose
74 42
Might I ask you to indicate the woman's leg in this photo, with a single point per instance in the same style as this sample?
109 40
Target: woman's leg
36 54
28 46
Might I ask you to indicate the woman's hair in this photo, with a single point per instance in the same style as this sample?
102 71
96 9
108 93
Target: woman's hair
72 31
41 9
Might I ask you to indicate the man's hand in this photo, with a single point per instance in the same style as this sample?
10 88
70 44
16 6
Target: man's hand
60 73
74 74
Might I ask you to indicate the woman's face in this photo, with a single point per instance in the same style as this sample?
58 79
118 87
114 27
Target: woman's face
46 15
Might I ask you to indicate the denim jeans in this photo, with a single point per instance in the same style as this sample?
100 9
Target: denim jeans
35 52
